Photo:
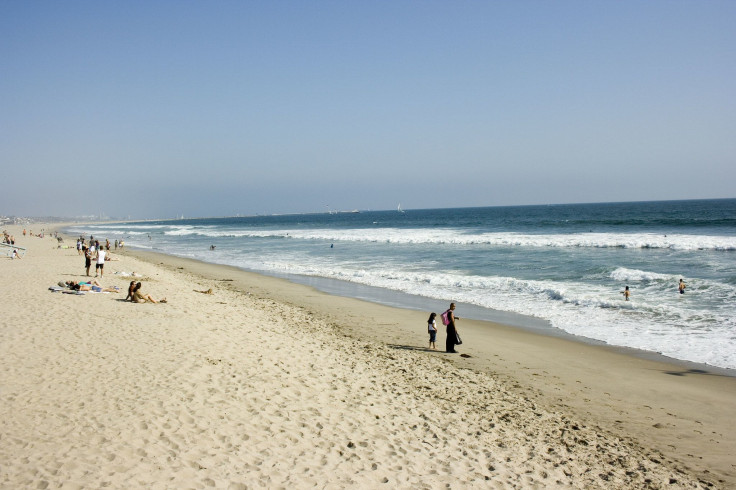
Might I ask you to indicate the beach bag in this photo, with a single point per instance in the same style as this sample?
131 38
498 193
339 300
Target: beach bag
446 317
458 340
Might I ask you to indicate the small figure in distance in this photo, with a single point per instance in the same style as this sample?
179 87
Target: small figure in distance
212 247
432 329
681 287
626 293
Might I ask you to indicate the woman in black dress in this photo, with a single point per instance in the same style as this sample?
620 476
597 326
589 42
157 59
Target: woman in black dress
451 330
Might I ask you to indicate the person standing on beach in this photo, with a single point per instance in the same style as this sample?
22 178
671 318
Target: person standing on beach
681 287
432 328
451 330
87 258
100 261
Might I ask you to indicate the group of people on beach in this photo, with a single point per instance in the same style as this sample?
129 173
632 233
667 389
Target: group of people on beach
101 253
134 290
8 239
94 250
92 285
81 243
448 319
30 233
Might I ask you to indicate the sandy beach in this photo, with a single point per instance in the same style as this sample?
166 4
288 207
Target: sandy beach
268 384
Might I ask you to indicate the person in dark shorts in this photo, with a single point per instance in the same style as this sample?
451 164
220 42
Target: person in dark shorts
87 258
100 265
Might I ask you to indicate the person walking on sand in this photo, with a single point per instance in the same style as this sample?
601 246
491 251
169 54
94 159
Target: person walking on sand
451 330
432 328
681 287
626 293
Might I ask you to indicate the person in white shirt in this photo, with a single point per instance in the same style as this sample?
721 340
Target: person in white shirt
100 261
432 329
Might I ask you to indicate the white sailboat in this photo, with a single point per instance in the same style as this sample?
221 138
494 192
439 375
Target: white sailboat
398 208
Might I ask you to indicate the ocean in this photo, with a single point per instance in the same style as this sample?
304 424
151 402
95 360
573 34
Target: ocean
558 267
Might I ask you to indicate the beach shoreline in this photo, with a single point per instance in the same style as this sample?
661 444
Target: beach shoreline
675 417
341 288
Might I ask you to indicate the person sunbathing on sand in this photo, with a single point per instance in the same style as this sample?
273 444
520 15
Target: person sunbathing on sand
139 297
89 286
131 289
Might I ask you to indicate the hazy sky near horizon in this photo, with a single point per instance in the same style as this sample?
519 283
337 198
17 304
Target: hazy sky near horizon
155 109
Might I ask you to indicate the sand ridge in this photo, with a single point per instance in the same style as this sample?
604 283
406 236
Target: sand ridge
235 390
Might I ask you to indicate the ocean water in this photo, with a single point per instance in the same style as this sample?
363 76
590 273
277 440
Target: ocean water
565 264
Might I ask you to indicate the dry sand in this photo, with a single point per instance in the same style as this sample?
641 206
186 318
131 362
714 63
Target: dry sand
269 384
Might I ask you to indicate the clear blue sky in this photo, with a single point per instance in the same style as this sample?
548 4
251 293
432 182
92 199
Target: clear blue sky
162 108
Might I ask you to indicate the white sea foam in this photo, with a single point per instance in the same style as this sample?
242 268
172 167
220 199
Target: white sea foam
453 237
436 236
629 275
